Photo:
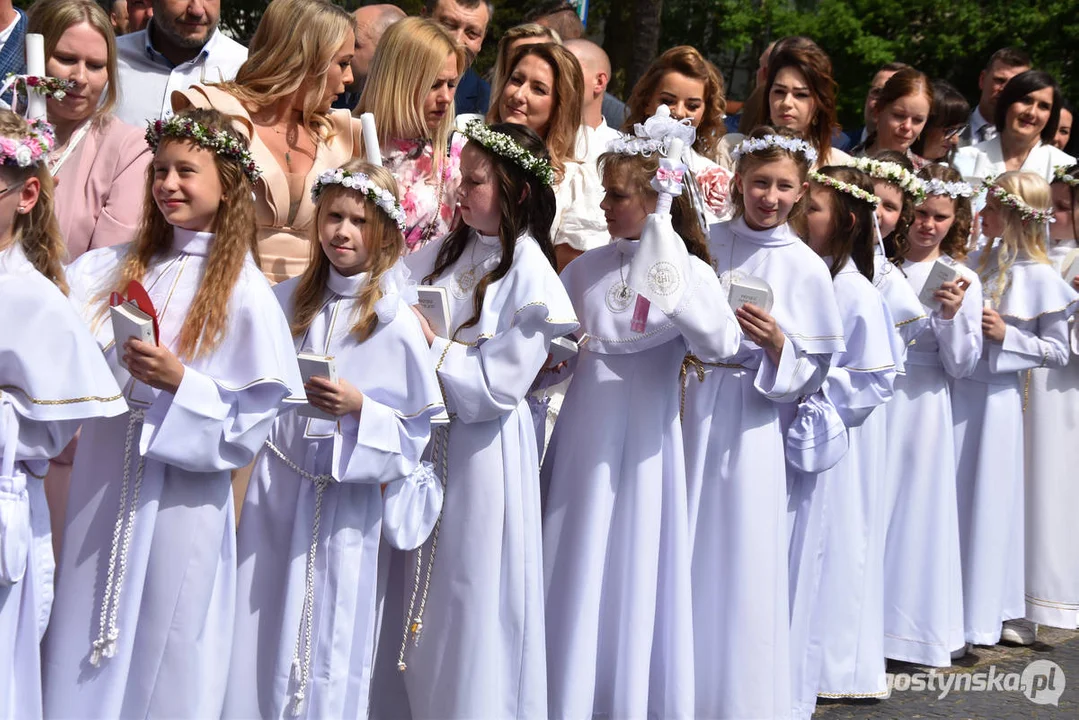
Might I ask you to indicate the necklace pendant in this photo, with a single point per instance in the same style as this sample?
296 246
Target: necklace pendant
619 297
463 283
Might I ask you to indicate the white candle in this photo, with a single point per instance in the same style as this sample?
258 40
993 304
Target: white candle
370 139
674 152
35 65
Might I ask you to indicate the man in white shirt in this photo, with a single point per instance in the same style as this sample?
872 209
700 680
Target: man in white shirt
596 67
181 46
1005 64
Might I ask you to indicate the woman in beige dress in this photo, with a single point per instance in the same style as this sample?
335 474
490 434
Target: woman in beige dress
280 101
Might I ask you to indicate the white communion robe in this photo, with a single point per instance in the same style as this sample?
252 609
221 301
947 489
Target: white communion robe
480 650
987 408
616 541
837 547
52 377
320 511
1051 421
923 592
736 475
146 578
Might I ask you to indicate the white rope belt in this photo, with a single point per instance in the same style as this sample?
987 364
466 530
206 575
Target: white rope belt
109 629
300 673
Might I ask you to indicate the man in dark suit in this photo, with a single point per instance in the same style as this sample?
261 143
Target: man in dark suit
466 21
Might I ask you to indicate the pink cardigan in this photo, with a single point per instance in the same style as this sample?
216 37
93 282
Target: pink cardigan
100 187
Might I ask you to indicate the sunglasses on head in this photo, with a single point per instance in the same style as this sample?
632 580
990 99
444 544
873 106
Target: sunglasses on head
951 132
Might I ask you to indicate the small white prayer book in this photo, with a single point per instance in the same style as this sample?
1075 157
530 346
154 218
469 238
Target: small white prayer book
434 303
312 365
561 350
940 273
1071 266
752 291
130 322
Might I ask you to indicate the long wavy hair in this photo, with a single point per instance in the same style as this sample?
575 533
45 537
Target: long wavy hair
384 243
852 235
1019 239
567 100
640 170
292 49
526 205
688 61
528 31
751 160
954 244
407 61
52 18
906 213
206 322
805 56
37 232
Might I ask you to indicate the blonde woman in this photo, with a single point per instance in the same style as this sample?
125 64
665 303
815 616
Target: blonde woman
410 90
515 37
99 161
280 102
544 89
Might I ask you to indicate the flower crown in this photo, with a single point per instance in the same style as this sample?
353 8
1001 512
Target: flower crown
1026 211
936 186
1060 174
794 145
654 135
844 187
218 141
893 173
362 184
30 150
510 149
50 87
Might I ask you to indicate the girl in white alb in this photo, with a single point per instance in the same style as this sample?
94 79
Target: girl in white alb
1025 324
146 589
52 378
310 587
1051 422
734 423
923 594
616 542
836 506
474 592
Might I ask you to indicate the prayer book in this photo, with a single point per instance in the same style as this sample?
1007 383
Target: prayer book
312 365
752 291
940 273
434 304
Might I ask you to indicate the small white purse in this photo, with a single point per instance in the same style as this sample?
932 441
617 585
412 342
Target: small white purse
14 503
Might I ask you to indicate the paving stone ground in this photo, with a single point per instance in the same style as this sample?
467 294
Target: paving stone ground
1000 667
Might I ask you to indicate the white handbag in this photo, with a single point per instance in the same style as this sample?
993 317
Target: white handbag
14 503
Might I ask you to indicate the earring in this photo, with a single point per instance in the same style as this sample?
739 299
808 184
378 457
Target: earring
22 210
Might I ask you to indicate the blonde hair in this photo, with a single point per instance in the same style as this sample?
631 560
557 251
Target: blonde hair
37 231
406 64
527 31
293 47
567 100
1019 239
206 322
52 18
384 243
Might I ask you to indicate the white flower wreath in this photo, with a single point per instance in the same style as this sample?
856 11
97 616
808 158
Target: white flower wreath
936 186
510 149
1060 174
844 187
893 173
362 184
1021 206
794 145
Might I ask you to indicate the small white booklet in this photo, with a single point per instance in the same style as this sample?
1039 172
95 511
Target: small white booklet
1071 266
310 366
751 290
561 350
130 322
941 272
434 303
